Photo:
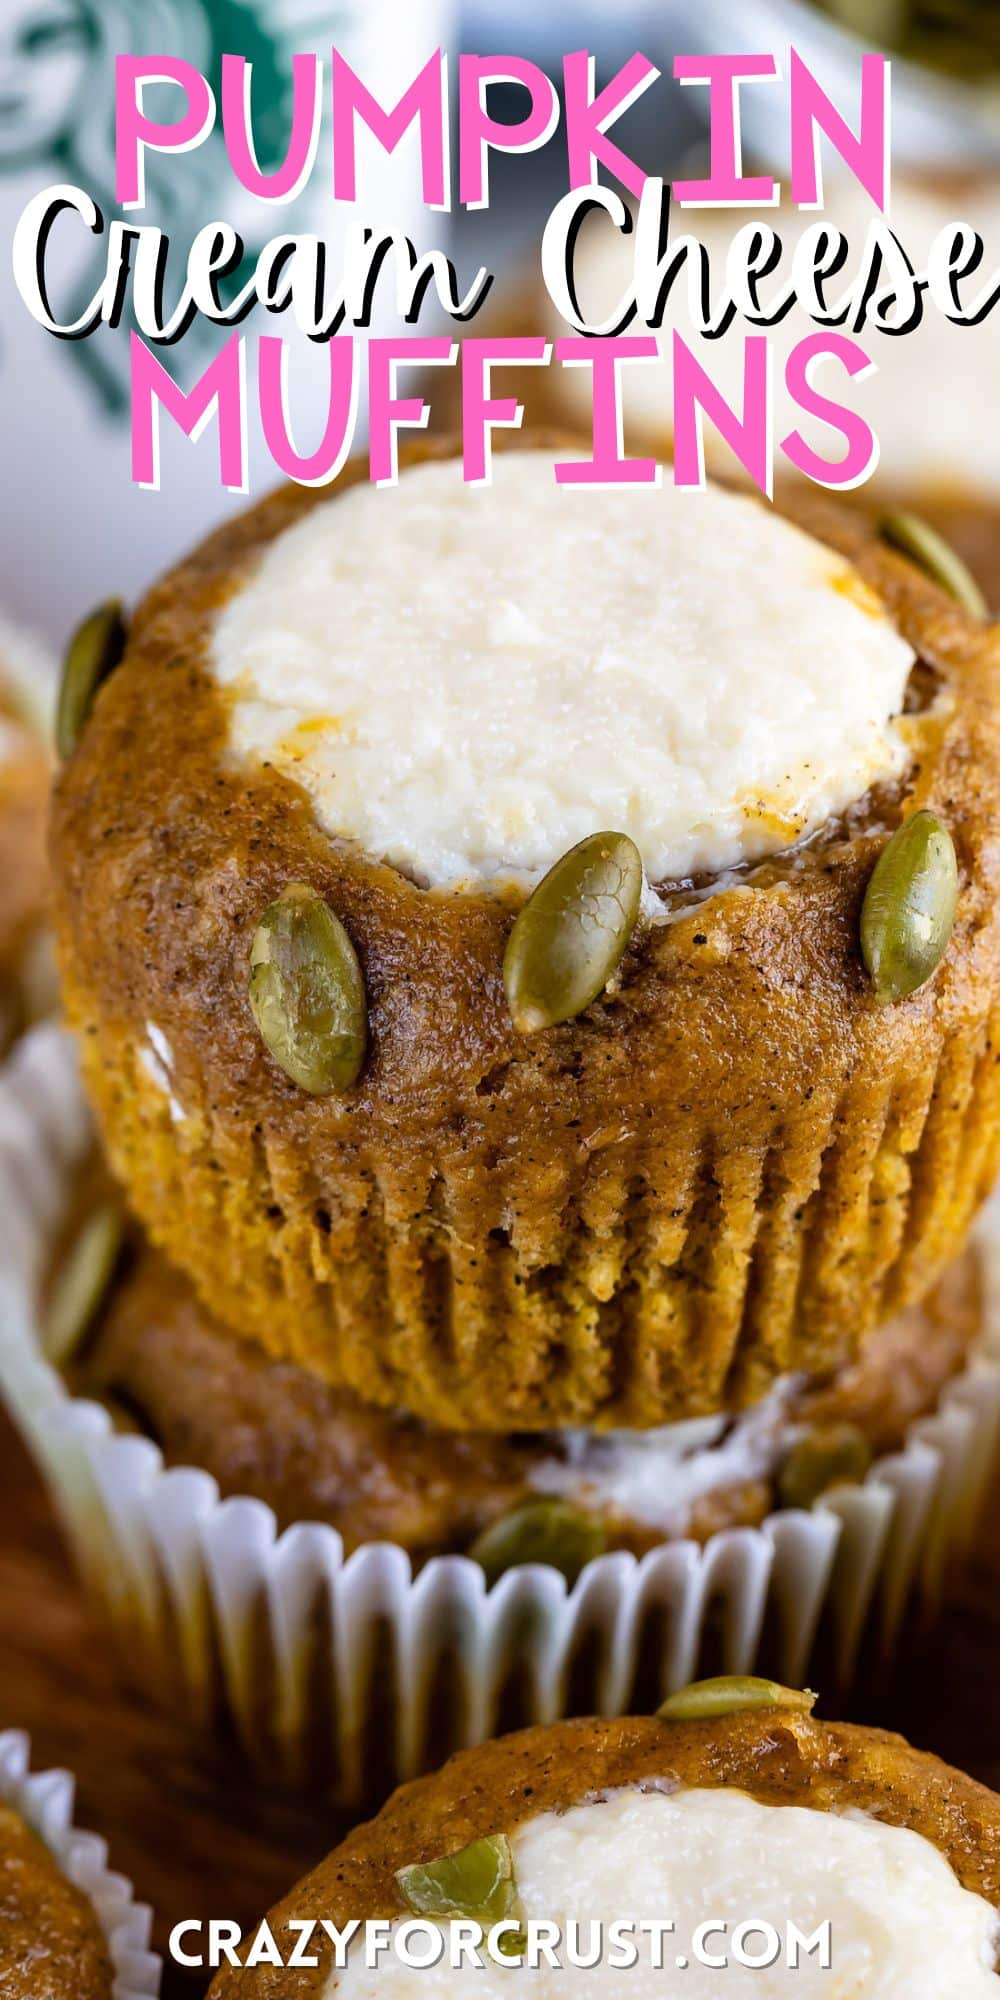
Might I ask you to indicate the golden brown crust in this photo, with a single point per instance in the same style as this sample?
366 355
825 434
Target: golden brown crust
904 1366
312 1453
734 1166
781 1759
51 1944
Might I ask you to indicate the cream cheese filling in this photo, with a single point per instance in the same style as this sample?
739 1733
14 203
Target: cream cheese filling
926 402
468 680
901 1925
657 1477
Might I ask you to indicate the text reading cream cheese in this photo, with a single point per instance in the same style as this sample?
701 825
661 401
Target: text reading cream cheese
926 398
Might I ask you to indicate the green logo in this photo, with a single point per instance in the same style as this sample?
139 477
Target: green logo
57 123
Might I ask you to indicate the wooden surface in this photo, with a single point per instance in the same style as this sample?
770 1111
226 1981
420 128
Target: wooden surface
198 1843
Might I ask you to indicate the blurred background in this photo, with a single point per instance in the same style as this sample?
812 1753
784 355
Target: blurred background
76 529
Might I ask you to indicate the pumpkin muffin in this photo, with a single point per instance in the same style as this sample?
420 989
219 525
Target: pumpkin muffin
27 979
758 1815
439 1089
945 466
313 1453
51 1944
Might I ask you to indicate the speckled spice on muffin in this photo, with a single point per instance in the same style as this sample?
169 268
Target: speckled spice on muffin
733 1165
777 1757
51 1945
312 1453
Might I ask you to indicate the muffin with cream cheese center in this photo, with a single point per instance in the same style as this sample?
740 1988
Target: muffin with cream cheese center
464 905
758 1817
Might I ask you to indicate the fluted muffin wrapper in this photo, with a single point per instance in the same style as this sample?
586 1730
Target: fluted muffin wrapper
354 1672
44 1800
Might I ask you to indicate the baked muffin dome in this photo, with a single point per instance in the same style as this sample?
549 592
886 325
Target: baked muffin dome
733 1164
314 1453
777 1816
51 1944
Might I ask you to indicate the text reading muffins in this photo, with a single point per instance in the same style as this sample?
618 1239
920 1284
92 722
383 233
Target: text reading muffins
726 1165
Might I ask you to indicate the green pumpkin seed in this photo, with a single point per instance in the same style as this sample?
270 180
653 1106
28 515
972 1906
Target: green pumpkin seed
92 654
826 1457
572 932
540 1531
477 1883
931 553
307 992
909 907
82 1283
732 1694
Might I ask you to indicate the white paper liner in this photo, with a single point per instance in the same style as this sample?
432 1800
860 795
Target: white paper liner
44 1800
354 1673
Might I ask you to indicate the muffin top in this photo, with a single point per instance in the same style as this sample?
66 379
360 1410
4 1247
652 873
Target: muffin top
762 1815
949 449
51 1944
468 681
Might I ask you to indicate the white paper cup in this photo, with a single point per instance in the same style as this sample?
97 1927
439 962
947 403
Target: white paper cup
354 1673
44 1800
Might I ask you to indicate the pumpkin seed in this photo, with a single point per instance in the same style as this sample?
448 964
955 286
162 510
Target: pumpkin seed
572 931
938 560
824 1458
82 1282
92 654
477 1883
732 1694
307 992
540 1531
909 907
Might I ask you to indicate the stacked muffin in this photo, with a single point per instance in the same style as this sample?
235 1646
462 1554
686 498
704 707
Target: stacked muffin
534 955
